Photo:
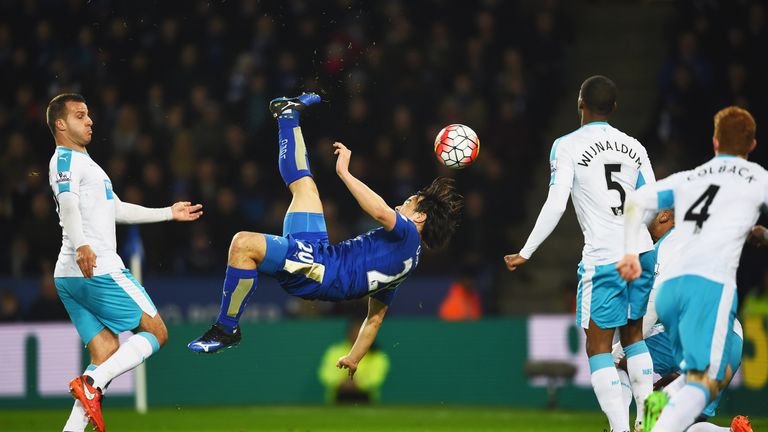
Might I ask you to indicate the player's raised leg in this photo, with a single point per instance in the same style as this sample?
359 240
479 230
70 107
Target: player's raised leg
304 218
248 250
293 160
148 337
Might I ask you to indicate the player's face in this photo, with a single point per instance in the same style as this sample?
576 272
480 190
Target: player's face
79 124
408 207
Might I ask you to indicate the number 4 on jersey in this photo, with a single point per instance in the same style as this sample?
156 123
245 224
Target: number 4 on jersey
704 201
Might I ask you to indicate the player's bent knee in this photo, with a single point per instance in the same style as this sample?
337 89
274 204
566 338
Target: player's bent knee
161 334
243 239
154 325
243 242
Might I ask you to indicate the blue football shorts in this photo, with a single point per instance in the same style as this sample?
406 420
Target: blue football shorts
115 301
699 315
607 299
293 257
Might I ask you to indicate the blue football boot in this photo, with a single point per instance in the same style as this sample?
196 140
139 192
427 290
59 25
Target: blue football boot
282 104
215 339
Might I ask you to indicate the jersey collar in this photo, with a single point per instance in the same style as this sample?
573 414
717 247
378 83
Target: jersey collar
71 149
595 123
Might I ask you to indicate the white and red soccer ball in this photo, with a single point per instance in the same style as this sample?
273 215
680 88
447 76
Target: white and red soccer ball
457 146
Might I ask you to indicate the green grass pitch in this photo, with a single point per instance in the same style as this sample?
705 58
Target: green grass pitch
327 419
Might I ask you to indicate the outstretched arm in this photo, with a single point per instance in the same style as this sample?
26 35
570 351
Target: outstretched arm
366 336
368 200
550 215
560 183
127 213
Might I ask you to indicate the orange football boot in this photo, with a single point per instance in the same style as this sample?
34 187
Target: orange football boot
90 397
741 424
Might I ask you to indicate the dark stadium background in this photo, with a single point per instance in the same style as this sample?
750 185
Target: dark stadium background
178 92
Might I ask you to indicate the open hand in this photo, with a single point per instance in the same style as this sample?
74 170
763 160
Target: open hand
629 267
343 153
184 211
346 362
514 261
86 260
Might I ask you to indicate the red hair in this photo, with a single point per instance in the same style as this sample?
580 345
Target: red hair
735 130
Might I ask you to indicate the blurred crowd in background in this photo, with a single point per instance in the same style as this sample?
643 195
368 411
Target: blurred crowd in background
179 99
716 58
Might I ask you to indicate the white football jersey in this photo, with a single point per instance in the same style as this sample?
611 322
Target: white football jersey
667 249
716 205
75 171
601 165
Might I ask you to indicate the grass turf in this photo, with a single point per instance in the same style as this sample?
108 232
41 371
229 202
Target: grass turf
326 419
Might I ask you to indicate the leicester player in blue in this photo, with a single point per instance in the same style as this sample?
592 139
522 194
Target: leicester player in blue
307 265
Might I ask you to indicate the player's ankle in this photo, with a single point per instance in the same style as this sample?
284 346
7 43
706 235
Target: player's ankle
228 326
288 119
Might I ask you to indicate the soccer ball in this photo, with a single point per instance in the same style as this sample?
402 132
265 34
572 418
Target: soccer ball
457 146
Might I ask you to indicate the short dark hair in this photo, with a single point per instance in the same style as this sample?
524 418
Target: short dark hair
442 205
57 108
735 130
599 94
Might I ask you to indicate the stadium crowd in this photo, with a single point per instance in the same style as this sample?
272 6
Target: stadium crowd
179 100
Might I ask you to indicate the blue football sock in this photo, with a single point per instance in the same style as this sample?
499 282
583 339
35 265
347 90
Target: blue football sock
238 287
292 159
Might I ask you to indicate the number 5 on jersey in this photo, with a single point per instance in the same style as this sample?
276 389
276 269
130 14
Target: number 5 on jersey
614 185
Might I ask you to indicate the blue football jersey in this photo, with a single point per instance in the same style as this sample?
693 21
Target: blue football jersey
374 263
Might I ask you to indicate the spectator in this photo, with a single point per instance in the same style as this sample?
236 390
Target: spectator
370 376
463 301
9 307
